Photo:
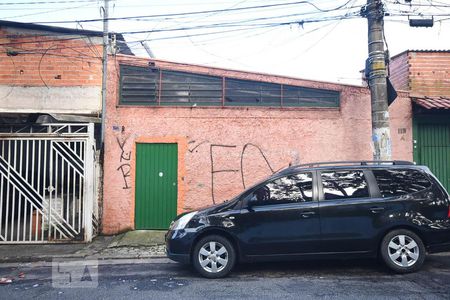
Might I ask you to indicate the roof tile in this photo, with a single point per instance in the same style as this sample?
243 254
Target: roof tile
432 102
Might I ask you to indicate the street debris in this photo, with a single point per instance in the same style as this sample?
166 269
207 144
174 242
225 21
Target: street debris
5 280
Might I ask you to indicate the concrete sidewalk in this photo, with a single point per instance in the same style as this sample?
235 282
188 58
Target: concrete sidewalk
129 245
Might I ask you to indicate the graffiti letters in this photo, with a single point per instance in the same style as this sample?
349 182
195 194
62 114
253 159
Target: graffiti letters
198 145
213 170
222 153
124 161
242 160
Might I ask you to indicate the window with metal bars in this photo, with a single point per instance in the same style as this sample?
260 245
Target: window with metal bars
150 86
138 85
179 88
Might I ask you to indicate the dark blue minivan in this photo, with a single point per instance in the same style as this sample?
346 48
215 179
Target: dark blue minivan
394 210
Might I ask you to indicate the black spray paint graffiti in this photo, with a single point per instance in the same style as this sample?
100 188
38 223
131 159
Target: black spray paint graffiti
242 160
193 149
124 161
215 169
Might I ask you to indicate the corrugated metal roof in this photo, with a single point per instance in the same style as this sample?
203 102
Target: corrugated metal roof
56 29
429 50
121 43
432 102
420 51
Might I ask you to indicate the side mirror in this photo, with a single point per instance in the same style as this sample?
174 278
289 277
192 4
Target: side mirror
251 200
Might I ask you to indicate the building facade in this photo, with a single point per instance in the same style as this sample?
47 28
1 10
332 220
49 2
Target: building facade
179 136
49 70
50 103
425 75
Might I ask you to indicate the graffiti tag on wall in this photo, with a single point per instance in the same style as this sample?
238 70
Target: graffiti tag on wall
124 161
217 168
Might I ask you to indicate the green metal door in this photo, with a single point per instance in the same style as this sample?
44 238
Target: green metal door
156 185
433 145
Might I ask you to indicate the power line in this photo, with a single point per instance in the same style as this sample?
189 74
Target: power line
236 23
30 52
282 43
239 29
47 2
196 12
230 25
259 26
50 11
206 26
421 5
39 41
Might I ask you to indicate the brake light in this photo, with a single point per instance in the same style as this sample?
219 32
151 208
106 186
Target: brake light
448 214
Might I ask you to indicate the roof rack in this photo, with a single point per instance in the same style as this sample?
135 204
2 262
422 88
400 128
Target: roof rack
356 162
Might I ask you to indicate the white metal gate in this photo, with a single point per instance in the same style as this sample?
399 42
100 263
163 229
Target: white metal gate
47 183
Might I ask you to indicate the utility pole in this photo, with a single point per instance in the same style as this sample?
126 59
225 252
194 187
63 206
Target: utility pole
376 64
147 48
105 67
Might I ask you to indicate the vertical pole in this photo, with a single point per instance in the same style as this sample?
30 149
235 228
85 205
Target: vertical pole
89 178
381 136
88 236
148 50
105 66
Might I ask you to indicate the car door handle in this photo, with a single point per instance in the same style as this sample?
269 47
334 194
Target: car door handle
307 214
376 209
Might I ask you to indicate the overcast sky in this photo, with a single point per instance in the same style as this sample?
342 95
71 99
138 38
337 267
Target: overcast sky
294 40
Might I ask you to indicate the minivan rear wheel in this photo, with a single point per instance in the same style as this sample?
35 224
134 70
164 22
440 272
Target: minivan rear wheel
213 256
403 251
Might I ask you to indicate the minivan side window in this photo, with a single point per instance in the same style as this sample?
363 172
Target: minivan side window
344 185
397 182
288 189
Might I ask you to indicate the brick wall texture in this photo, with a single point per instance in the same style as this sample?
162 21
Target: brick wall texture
399 72
48 59
422 73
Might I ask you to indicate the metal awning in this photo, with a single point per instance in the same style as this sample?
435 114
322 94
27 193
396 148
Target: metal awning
432 102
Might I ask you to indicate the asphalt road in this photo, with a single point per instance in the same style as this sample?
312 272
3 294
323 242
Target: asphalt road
162 279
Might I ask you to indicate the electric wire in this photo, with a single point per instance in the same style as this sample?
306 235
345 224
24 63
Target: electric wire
193 12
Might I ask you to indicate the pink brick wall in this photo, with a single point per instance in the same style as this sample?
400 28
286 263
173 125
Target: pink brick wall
282 136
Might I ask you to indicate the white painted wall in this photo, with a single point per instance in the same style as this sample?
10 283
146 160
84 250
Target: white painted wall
73 100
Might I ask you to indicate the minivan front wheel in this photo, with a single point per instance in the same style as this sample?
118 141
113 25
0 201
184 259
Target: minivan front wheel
213 256
403 251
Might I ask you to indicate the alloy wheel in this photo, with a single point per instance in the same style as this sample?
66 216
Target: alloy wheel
403 250
213 257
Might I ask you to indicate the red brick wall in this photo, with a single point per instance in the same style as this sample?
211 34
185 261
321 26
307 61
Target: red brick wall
399 72
41 60
422 73
282 136
429 73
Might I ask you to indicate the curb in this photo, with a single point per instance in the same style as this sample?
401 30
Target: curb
101 262
62 257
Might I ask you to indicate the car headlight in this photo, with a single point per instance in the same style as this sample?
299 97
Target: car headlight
183 221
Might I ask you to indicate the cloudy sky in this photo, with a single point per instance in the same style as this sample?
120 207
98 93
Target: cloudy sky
317 39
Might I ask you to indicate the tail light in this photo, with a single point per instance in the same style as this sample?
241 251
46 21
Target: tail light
448 214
